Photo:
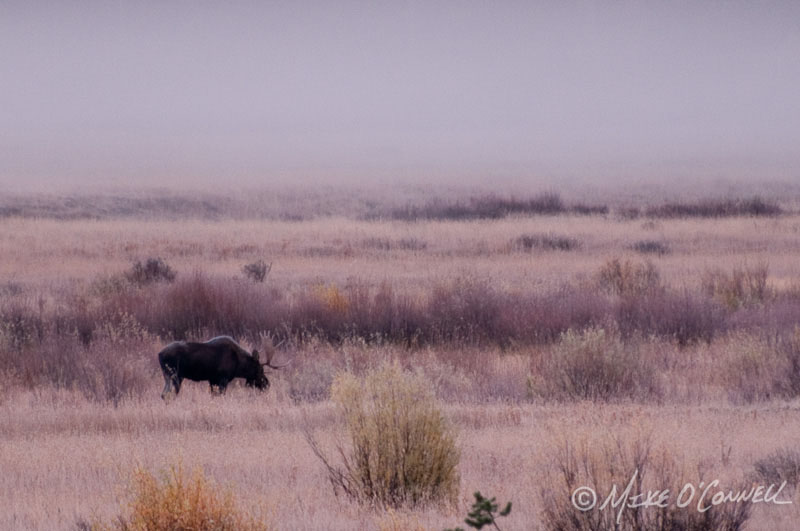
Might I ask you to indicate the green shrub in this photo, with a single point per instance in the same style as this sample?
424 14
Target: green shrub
402 450
484 512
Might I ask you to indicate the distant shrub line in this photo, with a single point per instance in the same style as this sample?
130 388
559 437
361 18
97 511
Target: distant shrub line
628 295
705 208
496 207
716 208
493 207
299 205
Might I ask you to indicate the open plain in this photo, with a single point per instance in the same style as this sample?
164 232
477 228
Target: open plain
554 341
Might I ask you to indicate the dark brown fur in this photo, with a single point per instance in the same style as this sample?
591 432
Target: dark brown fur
217 361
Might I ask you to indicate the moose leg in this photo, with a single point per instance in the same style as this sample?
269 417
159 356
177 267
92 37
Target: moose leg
218 386
169 383
167 387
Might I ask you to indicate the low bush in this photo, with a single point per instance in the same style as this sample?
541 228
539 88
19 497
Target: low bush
584 209
177 501
753 370
782 465
153 270
402 451
681 316
593 365
196 304
108 370
403 244
628 278
629 212
545 242
790 349
744 286
603 464
650 247
257 271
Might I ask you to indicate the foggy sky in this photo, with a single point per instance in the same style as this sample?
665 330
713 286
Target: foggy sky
111 92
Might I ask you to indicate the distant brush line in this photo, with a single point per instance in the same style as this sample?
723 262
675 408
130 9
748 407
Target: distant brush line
297 205
494 207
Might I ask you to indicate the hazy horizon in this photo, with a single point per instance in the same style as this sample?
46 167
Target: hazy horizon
158 94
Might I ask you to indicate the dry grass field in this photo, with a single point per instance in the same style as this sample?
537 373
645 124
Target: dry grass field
565 349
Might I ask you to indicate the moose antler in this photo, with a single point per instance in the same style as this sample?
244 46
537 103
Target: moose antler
269 364
271 348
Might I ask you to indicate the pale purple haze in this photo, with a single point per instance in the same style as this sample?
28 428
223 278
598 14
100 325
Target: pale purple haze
263 92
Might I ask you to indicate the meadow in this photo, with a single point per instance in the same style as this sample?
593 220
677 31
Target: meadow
566 338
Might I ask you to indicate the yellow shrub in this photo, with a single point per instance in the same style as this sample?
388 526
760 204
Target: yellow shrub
178 502
403 451
332 297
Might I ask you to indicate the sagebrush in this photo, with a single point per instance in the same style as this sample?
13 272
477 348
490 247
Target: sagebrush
401 451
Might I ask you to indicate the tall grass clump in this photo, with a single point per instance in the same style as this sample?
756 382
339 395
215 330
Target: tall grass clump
595 365
153 270
759 367
402 450
177 501
110 369
605 463
754 370
744 286
628 278
779 466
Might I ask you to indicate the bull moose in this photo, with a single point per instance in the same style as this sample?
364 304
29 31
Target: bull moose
217 361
